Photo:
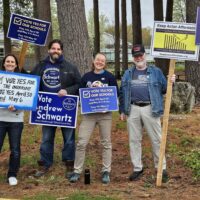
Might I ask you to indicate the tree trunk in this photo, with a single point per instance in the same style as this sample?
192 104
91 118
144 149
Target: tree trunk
74 34
6 19
192 69
163 64
136 22
42 10
117 41
96 27
124 37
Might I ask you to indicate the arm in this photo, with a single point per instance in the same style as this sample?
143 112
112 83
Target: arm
73 89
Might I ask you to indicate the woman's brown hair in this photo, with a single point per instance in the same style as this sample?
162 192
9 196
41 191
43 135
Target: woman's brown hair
16 61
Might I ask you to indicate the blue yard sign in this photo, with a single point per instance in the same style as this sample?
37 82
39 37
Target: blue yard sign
98 99
19 90
28 29
197 41
53 110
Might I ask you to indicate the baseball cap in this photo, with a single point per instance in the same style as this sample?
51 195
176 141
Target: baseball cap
138 49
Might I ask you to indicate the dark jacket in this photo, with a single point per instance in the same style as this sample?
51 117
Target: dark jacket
70 77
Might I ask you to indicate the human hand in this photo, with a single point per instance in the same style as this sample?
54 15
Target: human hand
123 117
62 93
173 78
11 108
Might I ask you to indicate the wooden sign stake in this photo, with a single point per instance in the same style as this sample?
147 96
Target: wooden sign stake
165 122
22 55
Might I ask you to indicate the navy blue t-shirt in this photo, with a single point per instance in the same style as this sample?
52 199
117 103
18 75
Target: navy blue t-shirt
139 86
103 79
51 77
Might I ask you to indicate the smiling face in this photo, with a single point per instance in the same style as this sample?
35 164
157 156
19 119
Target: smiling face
55 51
99 63
10 64
140 61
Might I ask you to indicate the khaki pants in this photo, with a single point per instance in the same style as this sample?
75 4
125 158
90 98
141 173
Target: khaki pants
139 117
89 121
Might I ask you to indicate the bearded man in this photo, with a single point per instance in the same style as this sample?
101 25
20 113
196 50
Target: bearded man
61 77
141 103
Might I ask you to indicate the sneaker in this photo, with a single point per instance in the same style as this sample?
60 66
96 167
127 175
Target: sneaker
69 169
41 172
135 175
12 181
165 176
74 177
106 177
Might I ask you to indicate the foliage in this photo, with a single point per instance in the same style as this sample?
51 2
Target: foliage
146 36
192 160
103 23
146 33
24 7
179 11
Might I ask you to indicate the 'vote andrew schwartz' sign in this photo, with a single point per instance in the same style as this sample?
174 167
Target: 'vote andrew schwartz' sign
19 90
53 110
28 29
98 99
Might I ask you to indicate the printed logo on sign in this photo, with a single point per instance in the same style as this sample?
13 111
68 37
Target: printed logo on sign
17 21
86 94
69 104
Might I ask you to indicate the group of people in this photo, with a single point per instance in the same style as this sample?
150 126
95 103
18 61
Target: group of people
140 103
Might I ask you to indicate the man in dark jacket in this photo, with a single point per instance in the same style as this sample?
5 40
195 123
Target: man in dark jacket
61 77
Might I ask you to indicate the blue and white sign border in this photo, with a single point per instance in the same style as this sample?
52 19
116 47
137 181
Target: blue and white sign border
110 110
55 124
28 107
39 20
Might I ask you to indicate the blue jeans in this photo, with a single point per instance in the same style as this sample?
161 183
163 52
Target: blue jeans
14 130
47 145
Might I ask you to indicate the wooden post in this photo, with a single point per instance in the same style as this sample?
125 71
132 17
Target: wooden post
22 55
165 122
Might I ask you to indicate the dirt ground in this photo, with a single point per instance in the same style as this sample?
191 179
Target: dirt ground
180 186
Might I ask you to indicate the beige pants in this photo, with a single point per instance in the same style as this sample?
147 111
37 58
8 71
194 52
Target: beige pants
89 121
139 117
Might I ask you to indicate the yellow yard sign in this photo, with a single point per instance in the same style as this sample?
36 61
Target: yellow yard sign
174 41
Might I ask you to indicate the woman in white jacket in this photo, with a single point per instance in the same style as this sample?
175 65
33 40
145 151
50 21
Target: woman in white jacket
11 122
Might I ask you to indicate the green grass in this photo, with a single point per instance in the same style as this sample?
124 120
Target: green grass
29 159
5 144
75 196
90 161
173 148
192 160
178 131
41 197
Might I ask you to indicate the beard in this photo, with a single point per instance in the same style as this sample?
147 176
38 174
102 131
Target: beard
140 64
54 56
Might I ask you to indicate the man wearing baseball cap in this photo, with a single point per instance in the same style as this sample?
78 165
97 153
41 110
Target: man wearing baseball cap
141 103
